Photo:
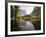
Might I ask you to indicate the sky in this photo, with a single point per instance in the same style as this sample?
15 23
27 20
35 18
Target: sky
26 9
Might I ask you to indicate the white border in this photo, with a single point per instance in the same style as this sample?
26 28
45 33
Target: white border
24 32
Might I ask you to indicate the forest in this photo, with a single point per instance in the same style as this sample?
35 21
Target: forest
34 17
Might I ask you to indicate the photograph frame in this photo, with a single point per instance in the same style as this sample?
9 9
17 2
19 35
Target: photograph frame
6 18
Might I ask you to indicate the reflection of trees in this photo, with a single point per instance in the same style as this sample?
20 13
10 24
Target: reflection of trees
35 17
14 11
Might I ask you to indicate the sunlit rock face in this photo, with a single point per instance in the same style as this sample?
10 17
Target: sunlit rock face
27 10
22 12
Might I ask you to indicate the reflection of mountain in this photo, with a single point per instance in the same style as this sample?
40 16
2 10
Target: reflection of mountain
35 18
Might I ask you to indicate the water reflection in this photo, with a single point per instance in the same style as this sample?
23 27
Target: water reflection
25 18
